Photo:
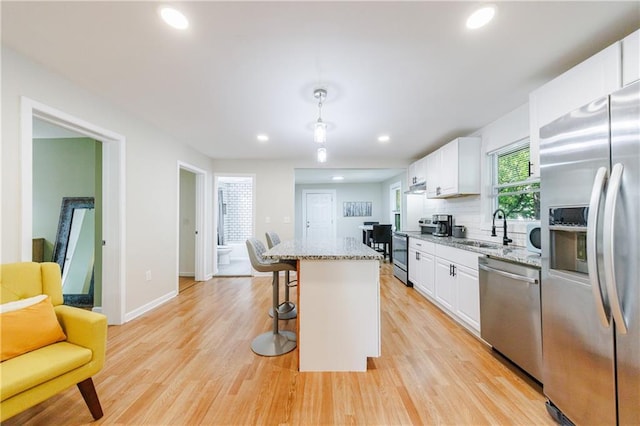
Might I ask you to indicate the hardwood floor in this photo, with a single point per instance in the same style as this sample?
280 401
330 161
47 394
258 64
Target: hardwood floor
189 362
185 283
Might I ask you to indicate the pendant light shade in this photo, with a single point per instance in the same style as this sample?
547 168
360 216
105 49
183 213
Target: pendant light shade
322 155
320 132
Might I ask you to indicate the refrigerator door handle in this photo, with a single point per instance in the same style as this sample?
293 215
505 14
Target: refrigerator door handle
592 257
607 236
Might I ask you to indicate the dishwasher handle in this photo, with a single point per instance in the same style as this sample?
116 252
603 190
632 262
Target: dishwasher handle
518 277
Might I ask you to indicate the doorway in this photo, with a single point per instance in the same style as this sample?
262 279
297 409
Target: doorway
318 214
235 212
192 223
187 226
112 177
395 205
67 213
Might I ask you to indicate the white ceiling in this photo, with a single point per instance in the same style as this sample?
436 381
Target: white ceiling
407 69
314 176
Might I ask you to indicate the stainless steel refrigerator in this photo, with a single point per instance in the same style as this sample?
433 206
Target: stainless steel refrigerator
590 214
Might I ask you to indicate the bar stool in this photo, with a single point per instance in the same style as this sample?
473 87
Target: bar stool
274 342
286 309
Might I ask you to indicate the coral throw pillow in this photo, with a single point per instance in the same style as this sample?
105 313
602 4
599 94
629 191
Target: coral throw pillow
27 325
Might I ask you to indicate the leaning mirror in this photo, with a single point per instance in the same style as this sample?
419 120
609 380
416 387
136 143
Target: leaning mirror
74 250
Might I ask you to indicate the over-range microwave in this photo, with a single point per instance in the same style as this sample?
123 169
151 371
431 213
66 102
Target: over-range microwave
533 237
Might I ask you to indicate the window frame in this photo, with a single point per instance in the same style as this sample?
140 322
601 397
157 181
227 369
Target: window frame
495 187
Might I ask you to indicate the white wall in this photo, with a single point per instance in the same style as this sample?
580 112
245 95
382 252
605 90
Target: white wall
474 212
151 182
187 228
274 192
347 226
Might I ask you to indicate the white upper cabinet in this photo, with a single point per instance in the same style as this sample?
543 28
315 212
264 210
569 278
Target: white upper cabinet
631 58
417 171
433 172
596 77
454 169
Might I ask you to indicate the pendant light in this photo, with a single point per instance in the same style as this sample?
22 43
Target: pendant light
320 128
322 155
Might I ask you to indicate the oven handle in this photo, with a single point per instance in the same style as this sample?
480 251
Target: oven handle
509 274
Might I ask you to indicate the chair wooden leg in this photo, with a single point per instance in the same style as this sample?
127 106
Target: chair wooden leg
90 396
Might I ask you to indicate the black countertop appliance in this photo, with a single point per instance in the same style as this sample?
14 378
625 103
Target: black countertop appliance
444 225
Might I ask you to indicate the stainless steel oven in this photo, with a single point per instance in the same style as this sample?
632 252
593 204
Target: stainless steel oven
399 248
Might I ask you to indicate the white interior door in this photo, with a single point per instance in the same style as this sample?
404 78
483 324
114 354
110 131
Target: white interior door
319 215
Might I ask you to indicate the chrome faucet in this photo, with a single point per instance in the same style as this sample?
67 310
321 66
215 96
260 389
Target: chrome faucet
505 240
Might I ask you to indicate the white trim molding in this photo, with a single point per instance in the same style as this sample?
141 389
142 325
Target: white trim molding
113 190
203 221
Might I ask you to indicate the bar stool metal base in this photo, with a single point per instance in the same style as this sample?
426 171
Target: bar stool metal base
286 310
272 344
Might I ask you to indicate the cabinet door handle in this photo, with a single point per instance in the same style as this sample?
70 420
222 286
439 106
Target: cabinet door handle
417 255
450 270
453 268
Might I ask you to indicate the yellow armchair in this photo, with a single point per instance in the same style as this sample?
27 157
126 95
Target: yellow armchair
30 378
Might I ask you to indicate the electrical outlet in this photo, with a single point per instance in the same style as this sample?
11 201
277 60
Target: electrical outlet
148 275
267 219
286 219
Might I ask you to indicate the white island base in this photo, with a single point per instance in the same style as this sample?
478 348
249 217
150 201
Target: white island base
338 314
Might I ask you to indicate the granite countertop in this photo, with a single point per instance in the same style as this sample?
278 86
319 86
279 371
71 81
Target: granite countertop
334 249
510 253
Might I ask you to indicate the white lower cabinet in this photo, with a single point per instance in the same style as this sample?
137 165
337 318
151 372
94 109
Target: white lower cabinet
421 266
429 278
449 278
445 284
468 307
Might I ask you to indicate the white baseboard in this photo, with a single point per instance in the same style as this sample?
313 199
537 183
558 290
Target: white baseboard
149 306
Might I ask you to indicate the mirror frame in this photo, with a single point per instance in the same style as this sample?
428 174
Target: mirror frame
69 204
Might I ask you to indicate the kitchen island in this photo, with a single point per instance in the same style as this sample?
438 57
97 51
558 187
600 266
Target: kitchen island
338 302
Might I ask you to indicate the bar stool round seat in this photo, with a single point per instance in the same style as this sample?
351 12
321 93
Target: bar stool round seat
286 309
274 342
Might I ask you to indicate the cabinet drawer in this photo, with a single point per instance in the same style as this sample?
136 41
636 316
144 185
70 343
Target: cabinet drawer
461 257
422 245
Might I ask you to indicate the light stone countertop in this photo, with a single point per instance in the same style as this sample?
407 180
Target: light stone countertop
333 249
510 253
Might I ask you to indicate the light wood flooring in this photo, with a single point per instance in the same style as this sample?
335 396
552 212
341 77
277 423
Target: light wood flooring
189 362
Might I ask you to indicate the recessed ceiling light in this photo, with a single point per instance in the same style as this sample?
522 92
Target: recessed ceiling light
337 177
481 17
174 18
262 137
384 138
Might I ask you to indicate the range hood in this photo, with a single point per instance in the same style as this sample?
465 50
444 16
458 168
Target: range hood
418 188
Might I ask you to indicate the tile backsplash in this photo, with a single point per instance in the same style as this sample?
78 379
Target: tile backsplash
467 211
238 221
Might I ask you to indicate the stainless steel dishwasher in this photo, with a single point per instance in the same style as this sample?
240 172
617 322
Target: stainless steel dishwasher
510 312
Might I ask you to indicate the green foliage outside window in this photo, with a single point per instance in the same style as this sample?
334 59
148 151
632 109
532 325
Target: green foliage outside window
514 193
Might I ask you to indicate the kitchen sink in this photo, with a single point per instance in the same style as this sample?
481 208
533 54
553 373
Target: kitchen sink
480 244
